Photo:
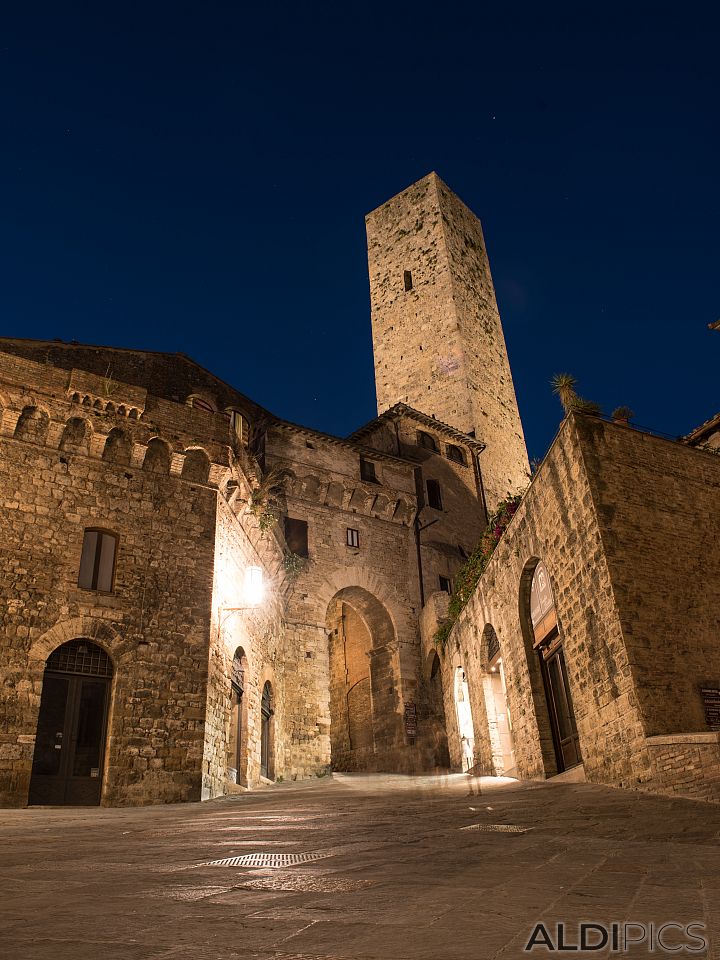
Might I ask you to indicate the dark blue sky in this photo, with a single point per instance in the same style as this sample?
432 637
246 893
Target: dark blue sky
194 177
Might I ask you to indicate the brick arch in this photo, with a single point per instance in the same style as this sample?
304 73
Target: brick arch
196 465
158 456
76 436
372 612
33 423
88 628
365 587
364 680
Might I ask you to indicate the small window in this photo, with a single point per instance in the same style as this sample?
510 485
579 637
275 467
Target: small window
353 537
296 536
446 584
455 453
97 563
238 424
433 495
427 440
407 278
367 471
197 403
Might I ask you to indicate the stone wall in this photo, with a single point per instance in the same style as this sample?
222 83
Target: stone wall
378 580
155 473
614 515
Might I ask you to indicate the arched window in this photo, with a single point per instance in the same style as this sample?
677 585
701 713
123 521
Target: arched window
427 441
198 403
455 453
239 427
97 561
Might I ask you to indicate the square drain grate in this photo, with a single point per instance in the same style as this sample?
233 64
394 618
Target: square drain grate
497 828
266 860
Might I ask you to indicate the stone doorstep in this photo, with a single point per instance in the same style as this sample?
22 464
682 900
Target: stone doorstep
573 775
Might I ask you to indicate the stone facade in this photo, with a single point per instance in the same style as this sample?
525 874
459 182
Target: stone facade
627 526
438 341
161 680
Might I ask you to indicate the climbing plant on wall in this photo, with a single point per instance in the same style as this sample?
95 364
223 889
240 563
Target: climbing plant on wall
469 574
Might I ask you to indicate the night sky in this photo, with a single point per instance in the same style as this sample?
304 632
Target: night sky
194 177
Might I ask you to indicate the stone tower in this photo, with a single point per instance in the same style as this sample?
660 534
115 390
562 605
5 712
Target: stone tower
437 337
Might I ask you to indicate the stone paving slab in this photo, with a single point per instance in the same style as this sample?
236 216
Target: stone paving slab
400 878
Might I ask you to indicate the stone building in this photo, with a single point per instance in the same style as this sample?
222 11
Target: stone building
200 597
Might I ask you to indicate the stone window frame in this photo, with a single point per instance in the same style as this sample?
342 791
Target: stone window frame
445 584
368 471
102 533
434 499
352 537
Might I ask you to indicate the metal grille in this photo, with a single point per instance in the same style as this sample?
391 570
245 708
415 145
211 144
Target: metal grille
497 828
266 860
80 656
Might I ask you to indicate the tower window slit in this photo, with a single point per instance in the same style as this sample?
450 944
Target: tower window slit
407 277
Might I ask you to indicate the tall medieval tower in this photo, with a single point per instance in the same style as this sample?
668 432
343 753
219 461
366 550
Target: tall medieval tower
437 337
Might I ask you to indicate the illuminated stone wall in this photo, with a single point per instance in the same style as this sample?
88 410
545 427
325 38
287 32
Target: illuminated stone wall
627 526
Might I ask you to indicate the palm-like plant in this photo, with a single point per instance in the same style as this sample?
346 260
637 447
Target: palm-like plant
264 502
563 385
623 414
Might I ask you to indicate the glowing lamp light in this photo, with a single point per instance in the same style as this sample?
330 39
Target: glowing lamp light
254 587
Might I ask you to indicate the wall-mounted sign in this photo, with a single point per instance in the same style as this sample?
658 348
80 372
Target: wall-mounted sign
411 720
710 692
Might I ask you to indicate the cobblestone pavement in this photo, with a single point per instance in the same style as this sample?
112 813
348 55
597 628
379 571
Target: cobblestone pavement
360 867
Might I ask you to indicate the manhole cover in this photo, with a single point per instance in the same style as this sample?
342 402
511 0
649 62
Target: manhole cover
266 860
497 828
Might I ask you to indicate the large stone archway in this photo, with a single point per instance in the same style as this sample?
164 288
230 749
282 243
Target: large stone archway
365 728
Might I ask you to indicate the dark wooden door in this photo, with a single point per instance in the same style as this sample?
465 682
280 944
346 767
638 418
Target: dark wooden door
70 742
562 715
266 714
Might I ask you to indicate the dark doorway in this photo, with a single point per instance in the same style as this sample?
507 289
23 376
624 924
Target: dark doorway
266 732
548 643
70 742
236 741
562 716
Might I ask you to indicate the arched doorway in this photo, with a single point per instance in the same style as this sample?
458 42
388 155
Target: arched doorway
266 733
547 641
466 729
72 725
439 741
496 705
364 696
237 734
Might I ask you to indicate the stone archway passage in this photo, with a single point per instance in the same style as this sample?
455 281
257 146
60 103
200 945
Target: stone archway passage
72 725
363 686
